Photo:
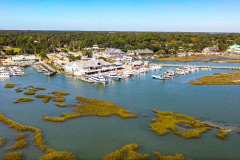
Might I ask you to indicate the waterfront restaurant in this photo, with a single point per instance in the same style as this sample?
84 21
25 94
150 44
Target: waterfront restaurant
22 58
210 50
91 66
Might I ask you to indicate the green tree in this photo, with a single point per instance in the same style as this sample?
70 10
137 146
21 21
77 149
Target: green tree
42 54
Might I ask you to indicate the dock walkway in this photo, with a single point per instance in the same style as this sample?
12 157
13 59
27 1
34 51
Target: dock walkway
201 66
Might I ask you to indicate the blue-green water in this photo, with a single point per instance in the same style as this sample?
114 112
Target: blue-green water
94 137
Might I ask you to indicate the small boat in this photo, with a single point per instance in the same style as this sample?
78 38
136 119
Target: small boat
160 77
142 70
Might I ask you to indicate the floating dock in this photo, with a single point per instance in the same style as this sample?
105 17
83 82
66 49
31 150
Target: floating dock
201 66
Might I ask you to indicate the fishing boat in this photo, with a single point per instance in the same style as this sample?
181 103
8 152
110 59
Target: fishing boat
98 78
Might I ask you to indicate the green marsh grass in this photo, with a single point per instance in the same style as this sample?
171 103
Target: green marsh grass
20 136
2 141
38 140
59 99
176 157
126 153
23 99
46 98
167 121
9 85
18 90
218 79
40 88
222 134
93 107
14 156
59 94
31 92
19 145
60 105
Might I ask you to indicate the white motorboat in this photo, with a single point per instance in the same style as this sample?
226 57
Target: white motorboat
206 69
160 77
4 75
115 76
142 70
98 78
128 72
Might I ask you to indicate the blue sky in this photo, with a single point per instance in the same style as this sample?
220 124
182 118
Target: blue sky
122 15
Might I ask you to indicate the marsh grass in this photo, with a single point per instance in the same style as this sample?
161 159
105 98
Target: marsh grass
167 121
40 88
187 59
18 90
9 85
2 142
14 156
38 140
218 79
176 157
222 134
23 99
31 92
126 153
20 136
59 94
144 115
59 99
93 107
46 98
19 145
60 105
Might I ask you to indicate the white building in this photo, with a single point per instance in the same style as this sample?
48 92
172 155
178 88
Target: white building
91 66
95 47
22 58
112 52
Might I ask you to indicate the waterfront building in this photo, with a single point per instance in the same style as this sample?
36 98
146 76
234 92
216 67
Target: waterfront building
209 50
112 52
91 66
95 47
140 52
234 48
23 58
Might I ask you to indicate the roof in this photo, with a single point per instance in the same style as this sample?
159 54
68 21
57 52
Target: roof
89 63
141 51
234 46
22 57
113 51
211 48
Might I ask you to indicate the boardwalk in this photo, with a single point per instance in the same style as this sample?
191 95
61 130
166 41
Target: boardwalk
201 66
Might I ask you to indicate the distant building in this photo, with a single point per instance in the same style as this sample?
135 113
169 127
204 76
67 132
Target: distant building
95 47
111 52
180 48
210 49
234 48
23 58
140 52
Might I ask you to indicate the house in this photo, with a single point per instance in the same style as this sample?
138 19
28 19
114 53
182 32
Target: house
210 49
90 67
95 47
22 58
111 52
140 52
180 48
234 48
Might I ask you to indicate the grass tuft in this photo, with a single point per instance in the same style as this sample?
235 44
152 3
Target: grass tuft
23 99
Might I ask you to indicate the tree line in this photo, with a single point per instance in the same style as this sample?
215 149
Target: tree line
33 42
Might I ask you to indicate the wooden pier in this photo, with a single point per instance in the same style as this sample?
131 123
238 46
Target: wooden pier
201 66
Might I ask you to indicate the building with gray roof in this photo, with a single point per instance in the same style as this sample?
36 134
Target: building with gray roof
111 52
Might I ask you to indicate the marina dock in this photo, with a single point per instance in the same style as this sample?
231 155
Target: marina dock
201 66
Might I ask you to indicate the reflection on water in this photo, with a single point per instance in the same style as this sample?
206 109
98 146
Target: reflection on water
94 137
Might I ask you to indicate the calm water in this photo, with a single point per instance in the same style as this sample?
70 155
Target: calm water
94 137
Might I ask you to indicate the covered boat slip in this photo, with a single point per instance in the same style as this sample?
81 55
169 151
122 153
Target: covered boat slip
107 69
